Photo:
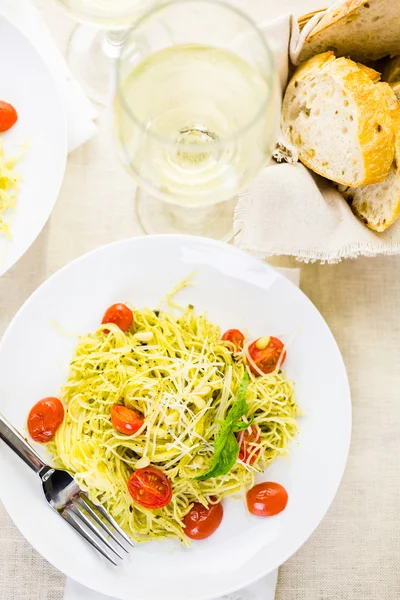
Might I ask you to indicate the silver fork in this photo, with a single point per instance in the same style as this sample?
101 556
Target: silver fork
63 494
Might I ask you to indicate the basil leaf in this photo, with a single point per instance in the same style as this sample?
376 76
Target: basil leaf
243 425
239 408
226 446
224 460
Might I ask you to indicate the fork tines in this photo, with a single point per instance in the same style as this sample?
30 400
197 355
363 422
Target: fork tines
97 527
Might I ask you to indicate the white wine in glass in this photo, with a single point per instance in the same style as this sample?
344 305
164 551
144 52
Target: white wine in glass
95 43
196 113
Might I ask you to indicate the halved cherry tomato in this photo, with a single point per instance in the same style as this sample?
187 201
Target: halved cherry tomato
8 116
267 358
247 440
267 499
201 522
125 419
234 336
120 315
44 419
150 488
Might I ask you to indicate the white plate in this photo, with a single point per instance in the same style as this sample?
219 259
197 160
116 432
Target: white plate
237 291
26 83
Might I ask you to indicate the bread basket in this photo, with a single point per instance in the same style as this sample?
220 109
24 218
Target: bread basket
357 216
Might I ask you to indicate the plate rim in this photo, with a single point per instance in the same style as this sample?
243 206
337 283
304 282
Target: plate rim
4 268
346 434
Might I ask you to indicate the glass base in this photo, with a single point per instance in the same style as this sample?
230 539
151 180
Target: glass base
156 216
91 56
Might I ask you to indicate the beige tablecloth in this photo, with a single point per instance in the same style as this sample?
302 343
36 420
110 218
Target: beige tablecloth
355 553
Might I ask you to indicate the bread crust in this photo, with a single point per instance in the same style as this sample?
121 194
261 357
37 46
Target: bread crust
375 126
330 19
331 32
359 198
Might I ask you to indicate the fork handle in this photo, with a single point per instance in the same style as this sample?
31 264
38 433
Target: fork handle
16 442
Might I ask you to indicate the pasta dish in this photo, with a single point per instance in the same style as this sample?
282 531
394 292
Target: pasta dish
162 417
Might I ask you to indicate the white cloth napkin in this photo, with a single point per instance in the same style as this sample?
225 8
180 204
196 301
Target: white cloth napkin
261 590
78 109
288 210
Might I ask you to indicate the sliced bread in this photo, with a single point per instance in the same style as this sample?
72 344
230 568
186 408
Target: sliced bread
340 120
378 205
365 30
374 76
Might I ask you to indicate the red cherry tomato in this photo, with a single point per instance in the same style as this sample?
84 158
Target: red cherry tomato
267 499
44 419
8 116
234 336
126 420
201 522
150 488
248 439
267 358
120 315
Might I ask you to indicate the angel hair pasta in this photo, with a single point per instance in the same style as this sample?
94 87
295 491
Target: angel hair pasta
194 398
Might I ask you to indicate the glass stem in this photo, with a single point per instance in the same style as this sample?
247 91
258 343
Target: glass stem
113 41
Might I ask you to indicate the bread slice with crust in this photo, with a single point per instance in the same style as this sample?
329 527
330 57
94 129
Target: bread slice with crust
340 120
378 205
374 76
365 30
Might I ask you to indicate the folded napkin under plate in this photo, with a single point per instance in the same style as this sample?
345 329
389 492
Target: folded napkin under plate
288 210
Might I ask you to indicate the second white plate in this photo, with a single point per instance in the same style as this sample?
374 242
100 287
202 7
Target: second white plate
27 84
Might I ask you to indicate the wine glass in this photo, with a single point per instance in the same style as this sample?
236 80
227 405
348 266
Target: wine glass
196 113
96 41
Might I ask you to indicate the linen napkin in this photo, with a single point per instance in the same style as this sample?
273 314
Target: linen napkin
79 110
264 589
288 210
261 590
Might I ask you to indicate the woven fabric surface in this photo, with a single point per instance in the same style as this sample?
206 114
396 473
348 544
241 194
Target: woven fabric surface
354 554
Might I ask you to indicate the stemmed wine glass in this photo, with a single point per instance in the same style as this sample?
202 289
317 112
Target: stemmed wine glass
96 40
196 113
